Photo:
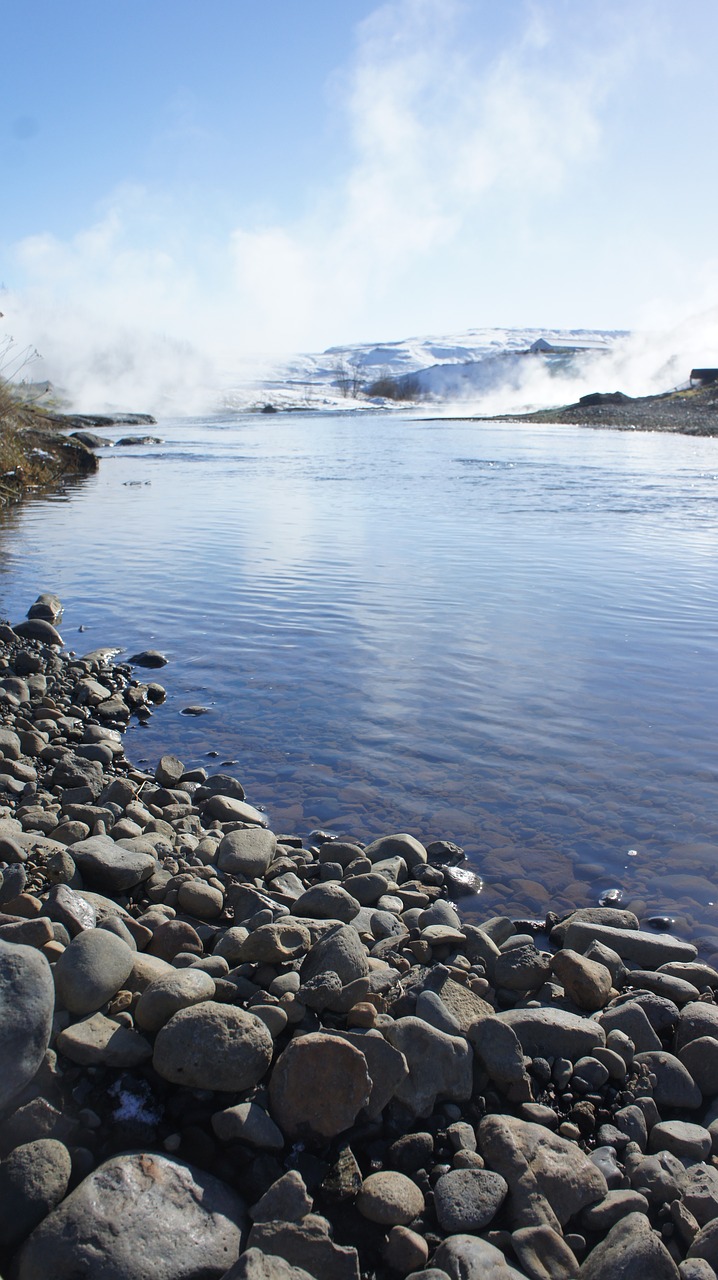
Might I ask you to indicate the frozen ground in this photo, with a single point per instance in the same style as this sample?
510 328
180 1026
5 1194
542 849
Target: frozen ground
490 369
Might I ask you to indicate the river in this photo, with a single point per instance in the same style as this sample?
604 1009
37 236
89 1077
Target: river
498 634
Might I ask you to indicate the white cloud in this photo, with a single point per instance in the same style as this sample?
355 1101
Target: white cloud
434 125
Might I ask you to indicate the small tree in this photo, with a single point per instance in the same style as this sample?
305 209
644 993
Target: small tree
348 377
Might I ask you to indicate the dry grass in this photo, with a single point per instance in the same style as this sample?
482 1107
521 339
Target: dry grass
31 456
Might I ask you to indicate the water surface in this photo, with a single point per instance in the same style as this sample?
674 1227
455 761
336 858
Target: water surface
499 634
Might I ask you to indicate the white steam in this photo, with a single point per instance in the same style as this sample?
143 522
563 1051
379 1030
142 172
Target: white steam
140 310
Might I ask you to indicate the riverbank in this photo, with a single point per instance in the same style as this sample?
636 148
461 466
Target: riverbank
36 450
692 412
229 1052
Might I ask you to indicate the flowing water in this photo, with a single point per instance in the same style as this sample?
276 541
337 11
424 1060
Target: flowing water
498 634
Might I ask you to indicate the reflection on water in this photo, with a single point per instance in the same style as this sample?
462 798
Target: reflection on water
495 634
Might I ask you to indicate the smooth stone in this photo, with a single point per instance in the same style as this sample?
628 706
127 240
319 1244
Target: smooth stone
200 899
340 951
631 1121
401 845
70 908
599 1218
646 949
27 1002
387 1067
179 989
273 1016
696 1269
467 1257
705 1244
405 1250
662 984
700 1192
700 974
522 968
213 1046
675 1087
615 917
99 1041
148 658
228 809
500 1052
169 771
589 1075
390 1199
287 1200
247 854
553 1032
250 1123
137 1216
687 1141
631 1249
366 888
256 1265
318 1086
33 1180
544 1254
631 1020
107 866
585 982
438 1065
326 901
431 1008
38 629
91 970
468 1199
550 1179
697 1020
307 1244
276 943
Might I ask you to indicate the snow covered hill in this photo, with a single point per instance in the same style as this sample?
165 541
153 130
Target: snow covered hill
489 370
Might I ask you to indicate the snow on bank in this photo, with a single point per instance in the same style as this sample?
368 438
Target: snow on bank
482 370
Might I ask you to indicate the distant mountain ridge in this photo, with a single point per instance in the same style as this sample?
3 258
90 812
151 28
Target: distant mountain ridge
432 369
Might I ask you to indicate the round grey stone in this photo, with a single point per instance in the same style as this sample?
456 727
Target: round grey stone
33 1180
247 854
468 1199
213 1046
91 970
167 995
390 1199
27 1002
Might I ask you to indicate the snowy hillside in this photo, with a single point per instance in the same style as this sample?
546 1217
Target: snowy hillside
489 369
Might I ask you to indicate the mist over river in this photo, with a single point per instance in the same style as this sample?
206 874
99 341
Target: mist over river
498 634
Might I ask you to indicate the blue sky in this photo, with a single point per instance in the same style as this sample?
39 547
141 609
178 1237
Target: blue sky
278 175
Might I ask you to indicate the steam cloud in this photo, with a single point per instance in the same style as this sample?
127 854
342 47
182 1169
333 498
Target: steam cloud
138 310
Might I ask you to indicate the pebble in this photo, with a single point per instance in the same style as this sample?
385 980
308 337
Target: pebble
468 1199
390 1199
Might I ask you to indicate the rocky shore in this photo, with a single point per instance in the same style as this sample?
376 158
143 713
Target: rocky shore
233 1053
37 448
690 412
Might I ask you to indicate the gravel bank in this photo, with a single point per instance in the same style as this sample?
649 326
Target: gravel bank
228 1052
690 413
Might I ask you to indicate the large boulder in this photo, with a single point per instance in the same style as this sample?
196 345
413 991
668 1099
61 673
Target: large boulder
27 1001
631 1249
550 1179
318 1087
139 1217
106 866
440 1066
213 1046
